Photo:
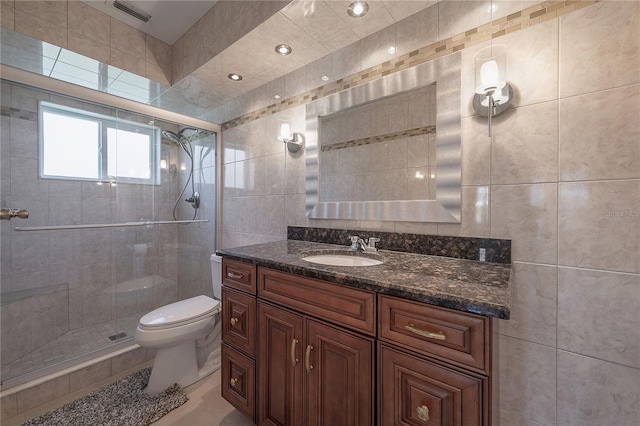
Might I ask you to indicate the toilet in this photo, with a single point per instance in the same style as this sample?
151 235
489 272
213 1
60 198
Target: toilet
186 336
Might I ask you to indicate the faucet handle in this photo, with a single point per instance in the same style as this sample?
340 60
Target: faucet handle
372 243
354 242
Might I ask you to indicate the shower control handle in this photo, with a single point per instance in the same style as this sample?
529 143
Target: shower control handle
8 214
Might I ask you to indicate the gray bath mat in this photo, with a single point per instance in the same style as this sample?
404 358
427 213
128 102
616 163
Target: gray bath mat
121 403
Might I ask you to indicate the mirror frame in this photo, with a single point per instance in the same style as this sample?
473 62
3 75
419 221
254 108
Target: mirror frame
445 72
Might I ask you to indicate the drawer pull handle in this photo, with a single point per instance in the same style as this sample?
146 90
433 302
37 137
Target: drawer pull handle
235 276
234 321
428 334
294 360
307 359
423 413
233 382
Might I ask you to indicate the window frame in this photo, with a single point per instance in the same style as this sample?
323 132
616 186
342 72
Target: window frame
104 124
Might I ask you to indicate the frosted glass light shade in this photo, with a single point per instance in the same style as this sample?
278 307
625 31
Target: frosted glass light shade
491 69
285 132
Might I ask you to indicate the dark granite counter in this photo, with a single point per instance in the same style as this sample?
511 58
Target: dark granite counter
465 285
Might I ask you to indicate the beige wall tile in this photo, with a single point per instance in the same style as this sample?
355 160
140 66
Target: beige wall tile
476 151
600 47
507 418
599 135
525 145
127 62
532 62
9 407
54 12
533 304
128 360
476 212
528 215
528 380
89 22
126 38
595 392
598 315
417 30
155 73
89 375
40 29
158 52
598 225
7 18
455 17
41 394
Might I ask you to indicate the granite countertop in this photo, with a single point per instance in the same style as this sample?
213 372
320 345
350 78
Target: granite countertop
464 285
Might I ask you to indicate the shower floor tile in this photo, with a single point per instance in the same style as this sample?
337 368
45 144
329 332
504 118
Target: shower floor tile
71 345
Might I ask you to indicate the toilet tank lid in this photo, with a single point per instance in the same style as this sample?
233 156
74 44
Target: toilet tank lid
181 311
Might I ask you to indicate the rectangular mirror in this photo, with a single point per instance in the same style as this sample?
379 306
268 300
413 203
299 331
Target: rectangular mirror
388 149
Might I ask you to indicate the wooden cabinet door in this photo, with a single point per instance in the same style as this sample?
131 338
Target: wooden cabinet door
239 320
339 377
279 366
238 381
415 391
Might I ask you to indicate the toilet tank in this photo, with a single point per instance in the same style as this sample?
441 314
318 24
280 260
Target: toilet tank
216 275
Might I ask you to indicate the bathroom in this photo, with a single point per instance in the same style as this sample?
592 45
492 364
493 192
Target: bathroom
560 177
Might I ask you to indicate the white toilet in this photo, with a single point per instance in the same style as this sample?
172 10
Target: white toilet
186 335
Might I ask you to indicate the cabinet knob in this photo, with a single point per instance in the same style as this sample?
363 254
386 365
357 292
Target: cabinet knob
233 382
234 321
423 413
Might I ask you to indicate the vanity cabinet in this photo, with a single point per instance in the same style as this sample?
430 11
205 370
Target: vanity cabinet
303 351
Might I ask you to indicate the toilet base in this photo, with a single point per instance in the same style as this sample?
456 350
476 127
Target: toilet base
178 364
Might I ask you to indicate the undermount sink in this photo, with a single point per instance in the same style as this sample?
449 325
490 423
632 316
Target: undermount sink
342 260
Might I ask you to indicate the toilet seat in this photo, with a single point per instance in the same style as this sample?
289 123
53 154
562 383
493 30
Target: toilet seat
180 313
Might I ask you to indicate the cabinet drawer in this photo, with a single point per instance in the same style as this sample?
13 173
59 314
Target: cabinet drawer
238 381
239 320
240 275
455 337
415 391
342 305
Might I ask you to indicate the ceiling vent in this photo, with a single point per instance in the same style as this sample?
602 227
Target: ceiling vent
132 10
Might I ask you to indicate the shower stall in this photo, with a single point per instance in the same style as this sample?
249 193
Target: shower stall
95 253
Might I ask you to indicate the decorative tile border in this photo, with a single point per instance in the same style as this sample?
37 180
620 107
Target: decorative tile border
496 250
516 21
6 111
380 138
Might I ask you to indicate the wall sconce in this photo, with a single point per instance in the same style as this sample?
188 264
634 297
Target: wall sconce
493 93
293 140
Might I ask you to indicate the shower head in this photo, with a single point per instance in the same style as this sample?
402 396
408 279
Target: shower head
172 136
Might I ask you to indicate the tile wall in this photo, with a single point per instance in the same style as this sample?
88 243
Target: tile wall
82 29
560 177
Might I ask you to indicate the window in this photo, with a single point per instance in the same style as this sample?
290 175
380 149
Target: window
76 144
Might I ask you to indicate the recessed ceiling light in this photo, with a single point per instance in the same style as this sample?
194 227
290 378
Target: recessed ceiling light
235 77
276 96
358 9
283 49
391 50
325 78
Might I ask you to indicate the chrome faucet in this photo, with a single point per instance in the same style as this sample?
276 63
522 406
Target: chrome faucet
357 242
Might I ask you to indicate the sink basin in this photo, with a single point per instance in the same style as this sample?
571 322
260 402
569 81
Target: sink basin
342 260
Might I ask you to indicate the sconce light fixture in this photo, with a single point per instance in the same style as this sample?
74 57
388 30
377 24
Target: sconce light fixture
293 140
493 93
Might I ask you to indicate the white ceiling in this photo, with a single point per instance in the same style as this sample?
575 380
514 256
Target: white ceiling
169 19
